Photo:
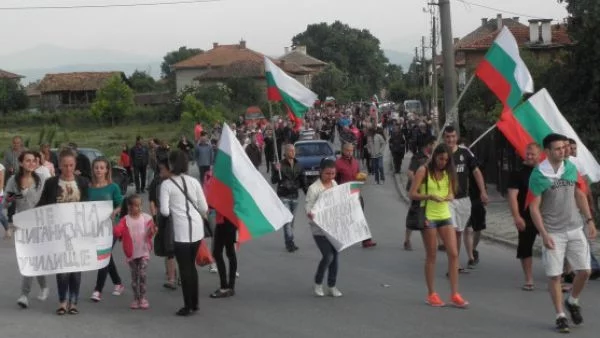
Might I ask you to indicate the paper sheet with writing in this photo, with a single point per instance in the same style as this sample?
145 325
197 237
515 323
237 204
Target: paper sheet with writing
65 237
339 214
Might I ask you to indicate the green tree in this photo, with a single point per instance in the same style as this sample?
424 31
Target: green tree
172 58
194 111
114 101
354 51
142 82
12 96
330 82
245 92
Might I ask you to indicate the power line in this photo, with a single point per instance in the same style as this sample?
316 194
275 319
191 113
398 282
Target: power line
142 4
498 9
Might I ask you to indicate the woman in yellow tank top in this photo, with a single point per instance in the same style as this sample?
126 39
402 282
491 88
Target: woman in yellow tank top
434 185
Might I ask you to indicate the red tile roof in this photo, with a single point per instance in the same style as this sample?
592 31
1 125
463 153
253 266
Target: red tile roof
220 55
483 37
250 68
81 81
8 75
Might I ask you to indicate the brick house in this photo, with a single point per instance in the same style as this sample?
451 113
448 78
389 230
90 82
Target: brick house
4 75
542 38
223 62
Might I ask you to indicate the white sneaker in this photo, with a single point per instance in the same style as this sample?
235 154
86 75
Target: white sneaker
118 290
334 292
237 274
96 296
23 302
319 290
213 268
43 294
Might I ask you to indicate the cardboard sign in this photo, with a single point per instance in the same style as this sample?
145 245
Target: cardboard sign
64 237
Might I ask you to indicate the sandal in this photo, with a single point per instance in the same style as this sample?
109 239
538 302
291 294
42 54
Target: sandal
170 285
528 287
61 311
73 311
407 246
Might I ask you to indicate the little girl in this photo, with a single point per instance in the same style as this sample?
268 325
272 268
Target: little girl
136 230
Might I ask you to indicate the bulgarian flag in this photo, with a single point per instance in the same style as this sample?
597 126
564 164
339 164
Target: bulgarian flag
282 87
239 192
543 176
503 70
535 119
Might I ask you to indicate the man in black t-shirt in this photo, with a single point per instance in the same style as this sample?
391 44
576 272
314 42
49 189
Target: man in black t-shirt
518 187
466 165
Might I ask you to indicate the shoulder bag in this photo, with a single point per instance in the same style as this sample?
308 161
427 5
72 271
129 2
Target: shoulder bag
207 230
415 218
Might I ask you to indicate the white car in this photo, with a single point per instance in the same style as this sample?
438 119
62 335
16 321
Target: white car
307 134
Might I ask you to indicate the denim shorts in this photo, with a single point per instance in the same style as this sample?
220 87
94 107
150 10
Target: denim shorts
438 223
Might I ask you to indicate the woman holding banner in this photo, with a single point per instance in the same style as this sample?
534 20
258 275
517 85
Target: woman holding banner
434 185
330 255
103 189
24 190
66 188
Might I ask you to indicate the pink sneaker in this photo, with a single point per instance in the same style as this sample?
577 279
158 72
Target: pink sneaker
119 289
144 305
134 305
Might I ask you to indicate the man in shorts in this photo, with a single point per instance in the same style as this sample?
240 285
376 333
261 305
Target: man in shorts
555 211
518 187
475 225
466 165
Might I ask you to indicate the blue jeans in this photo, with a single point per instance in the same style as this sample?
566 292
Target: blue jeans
329 261
377 167
288 229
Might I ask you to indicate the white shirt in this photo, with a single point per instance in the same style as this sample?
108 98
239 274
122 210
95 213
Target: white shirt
43 173
173 202
2 190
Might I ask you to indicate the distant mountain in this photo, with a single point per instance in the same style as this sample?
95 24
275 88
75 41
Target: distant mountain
35 62
399 58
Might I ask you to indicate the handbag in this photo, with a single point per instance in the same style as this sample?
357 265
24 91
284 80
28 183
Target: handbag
207 231
203 256
415 218
164 240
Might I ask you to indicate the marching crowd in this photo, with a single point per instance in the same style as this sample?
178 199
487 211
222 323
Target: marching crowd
446 186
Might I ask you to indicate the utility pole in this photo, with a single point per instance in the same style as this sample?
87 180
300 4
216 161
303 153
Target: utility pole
434 77
450 91
424 63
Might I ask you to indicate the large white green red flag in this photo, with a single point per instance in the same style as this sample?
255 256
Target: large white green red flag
535 119
282 87
240 193
503 70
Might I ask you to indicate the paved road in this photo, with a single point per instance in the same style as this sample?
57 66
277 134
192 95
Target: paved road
383 294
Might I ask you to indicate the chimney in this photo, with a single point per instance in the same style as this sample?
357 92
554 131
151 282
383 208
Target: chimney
534 31
546 31
242 44
515 18
456 40
499 21
215 45
301 49
286 50
484 21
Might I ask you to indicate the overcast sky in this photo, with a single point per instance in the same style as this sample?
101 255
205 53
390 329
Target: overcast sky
266 25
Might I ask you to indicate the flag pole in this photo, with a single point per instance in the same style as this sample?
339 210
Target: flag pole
482 135
454 109
274 138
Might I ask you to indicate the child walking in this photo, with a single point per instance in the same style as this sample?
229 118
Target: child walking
136 230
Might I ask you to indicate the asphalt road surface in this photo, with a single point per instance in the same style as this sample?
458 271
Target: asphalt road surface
383 290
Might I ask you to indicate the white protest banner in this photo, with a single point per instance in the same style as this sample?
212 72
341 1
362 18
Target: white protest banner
63 237
339 214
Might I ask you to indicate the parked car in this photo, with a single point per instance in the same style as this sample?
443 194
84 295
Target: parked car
119 174
309 155
307 134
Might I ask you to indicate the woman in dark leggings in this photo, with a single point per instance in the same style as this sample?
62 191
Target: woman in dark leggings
224 238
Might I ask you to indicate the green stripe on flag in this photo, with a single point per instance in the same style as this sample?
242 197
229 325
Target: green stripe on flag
506 66
245 207
532 122
270 80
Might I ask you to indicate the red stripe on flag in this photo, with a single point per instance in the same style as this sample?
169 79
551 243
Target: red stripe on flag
514 132
494 80
273 94
297 121
220 197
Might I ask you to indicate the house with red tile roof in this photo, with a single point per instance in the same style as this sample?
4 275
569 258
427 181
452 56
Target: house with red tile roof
223 62
10 76
540 37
